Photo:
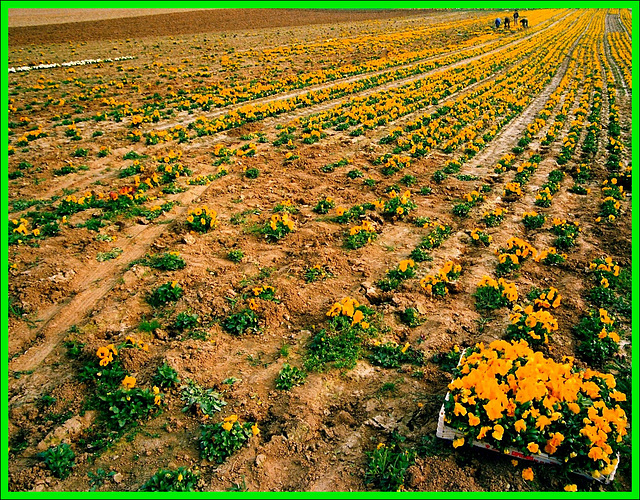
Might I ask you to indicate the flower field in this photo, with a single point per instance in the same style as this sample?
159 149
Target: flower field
281 259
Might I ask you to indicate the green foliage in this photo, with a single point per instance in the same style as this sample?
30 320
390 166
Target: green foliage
447 361
531 221
235 255
391 355
359 238
324 205
554 259
598 338
606 298
217 444
132 155
80 153
354 174
566 233
66 169
462 209
410 317
409 180
202 219
59 459
387 467
113 254
166 376
480 238
405 270
149 326
489 298
107 378
399 205
435 238
180 479
241 322
420 255
388 284
121 408
169 292
186 321
422 221
278 227
252 173
168 261
316 273
439 176
339 349
195 397
289 377
74 348
97 479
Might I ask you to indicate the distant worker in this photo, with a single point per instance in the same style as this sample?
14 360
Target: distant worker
497 22
524 22
507 22
515 18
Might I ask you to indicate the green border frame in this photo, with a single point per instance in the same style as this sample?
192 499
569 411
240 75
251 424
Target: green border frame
384 4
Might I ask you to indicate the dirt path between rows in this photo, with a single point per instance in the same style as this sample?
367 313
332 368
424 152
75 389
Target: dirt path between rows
613 24
509 135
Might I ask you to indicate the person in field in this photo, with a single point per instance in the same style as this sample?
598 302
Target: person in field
515 18
524 22
497 22
507 22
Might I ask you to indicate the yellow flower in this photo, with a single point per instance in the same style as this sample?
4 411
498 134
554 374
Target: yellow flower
459 410
404 264
129 382
571 487
180 477
227 426
527 474
618 396
103 352
231 418
498 431
404 349
380 445
358 316
533 447
483 432
458 442
255 430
